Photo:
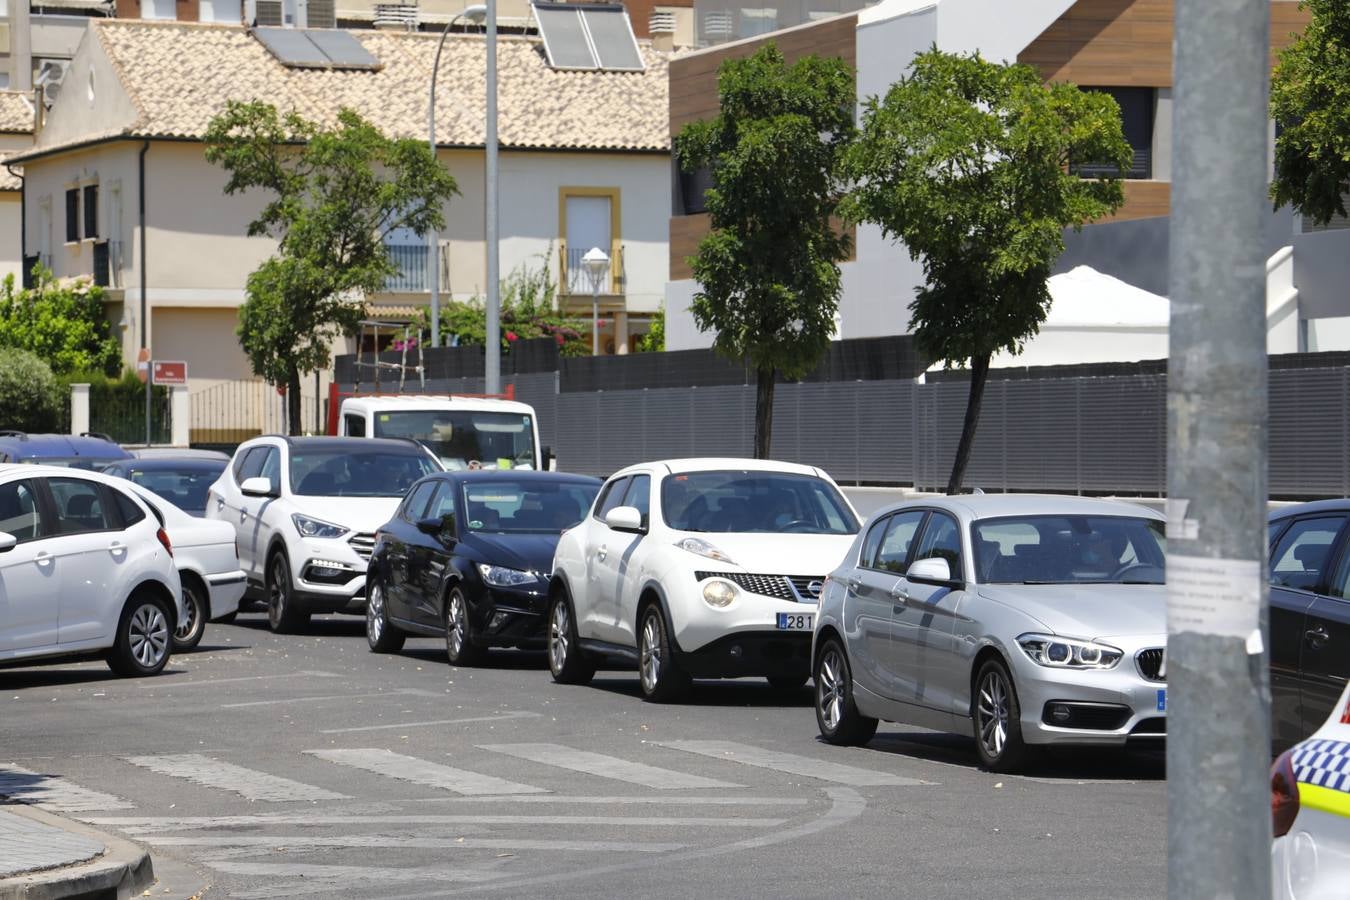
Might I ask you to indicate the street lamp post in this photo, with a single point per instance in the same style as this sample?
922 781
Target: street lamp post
596 264
475 13
492 380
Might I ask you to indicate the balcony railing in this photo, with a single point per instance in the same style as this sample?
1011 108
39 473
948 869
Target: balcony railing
574 280
108 264
411 262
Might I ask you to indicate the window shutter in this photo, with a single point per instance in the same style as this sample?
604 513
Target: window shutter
91 211
72 215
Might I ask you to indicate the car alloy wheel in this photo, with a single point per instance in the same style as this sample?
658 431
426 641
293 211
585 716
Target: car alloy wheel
997 715
460 648
281 614
658 671
837 716
559 637
148 635
650 664
192 626
381 634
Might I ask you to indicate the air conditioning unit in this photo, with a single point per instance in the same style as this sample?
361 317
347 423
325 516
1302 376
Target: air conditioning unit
50 74
268 14
662 21
321 14
396 15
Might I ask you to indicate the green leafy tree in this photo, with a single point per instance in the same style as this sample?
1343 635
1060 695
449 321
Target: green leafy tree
63 323
1310 99
768 271
336 193
30 399
969 163
654 341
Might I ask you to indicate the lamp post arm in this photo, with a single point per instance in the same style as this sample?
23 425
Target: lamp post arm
433 241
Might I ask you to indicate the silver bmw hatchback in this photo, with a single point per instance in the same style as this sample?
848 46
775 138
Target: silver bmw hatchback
1024 620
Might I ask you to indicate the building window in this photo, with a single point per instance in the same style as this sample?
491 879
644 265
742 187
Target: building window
72 215
159 9
1137 106
91 211
590 219
692 187
228 12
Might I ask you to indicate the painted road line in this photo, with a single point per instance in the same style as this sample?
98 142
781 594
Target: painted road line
287 700
497 718
665 800
247 783
607 766
54 792
287 843
419 771
163 682
790 763
141 825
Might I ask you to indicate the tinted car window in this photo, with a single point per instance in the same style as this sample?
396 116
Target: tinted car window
868 557
20 514
639 495
128 509
184 486
942 540
613 496
80 506
754 501
377 472
250 464
507 507
1069 550
893 551
417 503
1302 555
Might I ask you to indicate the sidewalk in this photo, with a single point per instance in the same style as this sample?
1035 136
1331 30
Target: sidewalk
46 856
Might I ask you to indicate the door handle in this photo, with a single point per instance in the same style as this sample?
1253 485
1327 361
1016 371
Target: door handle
601 553
43 558
852 583
1316 637
220 503
117 547
899 593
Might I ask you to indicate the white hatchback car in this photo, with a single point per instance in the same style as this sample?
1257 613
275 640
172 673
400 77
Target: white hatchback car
306 509
208 565
698 568
1310 803
85 570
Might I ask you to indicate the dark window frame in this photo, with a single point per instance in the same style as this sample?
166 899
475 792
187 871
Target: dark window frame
90 212
72 215
1139 125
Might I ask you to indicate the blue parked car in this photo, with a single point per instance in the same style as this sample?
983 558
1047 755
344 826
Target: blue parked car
77 451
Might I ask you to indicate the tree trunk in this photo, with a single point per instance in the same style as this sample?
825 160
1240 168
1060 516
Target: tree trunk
764 412
979 373
293 403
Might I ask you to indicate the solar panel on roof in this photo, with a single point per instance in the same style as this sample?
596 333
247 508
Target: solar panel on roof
612 37
564 35
291 46
342 49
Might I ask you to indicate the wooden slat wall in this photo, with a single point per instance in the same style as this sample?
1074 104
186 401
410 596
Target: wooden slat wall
693 79
1144 200
1128 43
693 96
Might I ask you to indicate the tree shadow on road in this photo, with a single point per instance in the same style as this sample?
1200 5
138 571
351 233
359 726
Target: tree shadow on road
1059 764
319 626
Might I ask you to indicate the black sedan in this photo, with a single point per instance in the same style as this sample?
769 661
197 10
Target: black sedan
1309 615
182 480
468 556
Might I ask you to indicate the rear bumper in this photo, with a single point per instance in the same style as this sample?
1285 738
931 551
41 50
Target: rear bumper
226 589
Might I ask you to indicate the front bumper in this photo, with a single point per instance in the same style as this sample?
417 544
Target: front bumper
510 617
1104 707
739 639
329 575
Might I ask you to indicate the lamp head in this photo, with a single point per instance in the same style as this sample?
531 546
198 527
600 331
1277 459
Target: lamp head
475 13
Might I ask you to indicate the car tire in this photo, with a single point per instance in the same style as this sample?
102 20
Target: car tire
382 635
837 715
460 646
787 683
659 673
196 610
282 616
565 658
997 718
144 639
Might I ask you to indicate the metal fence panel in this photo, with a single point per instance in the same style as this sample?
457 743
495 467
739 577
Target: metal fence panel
883 432
1122 440
1308 432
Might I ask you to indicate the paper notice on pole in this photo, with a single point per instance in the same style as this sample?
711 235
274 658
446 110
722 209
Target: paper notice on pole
1214 596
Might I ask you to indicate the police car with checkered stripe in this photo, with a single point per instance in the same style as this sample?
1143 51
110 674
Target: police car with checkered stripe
1310 803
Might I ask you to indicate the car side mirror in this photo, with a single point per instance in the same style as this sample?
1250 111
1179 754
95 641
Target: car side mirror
442 527
548 459
257 486
625 518
934 568
7 542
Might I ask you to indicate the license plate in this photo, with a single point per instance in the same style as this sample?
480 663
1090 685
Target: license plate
1162 700
796 621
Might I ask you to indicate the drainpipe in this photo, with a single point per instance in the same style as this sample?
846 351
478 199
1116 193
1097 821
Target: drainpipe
145 322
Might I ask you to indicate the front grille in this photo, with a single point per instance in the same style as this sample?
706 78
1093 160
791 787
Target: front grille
1092 716
363 544
1150 663
780 587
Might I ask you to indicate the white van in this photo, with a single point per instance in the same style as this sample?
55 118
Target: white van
464 432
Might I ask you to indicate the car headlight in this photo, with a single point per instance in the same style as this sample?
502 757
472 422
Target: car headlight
719 593
701 547
1057 652
500 576
316 528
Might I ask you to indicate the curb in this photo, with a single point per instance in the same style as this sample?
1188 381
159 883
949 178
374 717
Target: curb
123 870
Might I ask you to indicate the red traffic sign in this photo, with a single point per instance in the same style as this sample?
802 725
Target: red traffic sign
169 372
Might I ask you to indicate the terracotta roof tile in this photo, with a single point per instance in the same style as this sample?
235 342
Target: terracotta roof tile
16 112
180 75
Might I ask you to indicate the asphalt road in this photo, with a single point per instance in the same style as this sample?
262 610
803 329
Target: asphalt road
285 766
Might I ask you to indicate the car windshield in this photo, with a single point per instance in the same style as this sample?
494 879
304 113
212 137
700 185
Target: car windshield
465 439
356 473
1069 550
183 485
747 501
88 463
512 507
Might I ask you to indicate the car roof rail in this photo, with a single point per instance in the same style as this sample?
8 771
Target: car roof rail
14 432
97 434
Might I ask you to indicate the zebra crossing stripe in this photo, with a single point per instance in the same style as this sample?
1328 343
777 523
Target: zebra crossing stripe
747 755
419 771
606 766
301 843
247 783
143 825
54 792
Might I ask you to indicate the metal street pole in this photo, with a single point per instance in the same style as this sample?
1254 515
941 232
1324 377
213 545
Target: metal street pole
473 13
595 316
492 358
1218 697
